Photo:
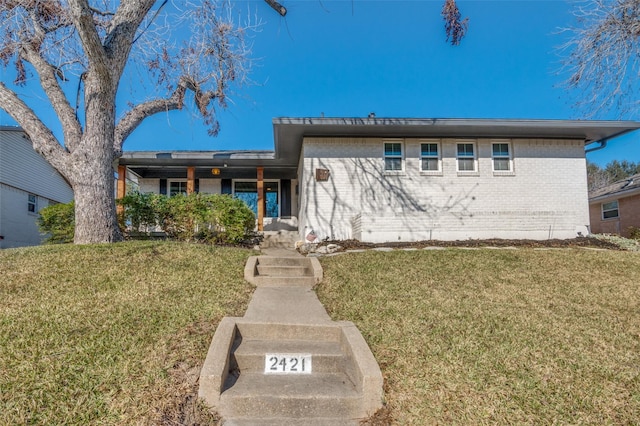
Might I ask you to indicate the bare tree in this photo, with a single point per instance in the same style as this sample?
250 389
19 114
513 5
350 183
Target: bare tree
89 46
602 56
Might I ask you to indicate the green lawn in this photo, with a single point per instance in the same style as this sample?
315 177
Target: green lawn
115 334
111 334
497 336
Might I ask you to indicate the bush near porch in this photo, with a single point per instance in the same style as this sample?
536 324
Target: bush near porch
211 218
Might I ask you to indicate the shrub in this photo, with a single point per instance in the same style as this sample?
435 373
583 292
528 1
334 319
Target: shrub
634 233
206 217
58 221
141 211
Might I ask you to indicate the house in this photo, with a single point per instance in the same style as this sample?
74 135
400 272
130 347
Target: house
615 209
390 179
27 184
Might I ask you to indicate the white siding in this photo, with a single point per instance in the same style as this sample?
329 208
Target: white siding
24 172
23 168
545 196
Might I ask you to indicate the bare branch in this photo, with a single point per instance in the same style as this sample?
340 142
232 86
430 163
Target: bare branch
140 112
282 11
82 17
42 138
602 57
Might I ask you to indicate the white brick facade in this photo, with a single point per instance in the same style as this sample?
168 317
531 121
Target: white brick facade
543 196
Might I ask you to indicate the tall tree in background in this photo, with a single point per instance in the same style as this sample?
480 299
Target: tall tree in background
88 46
614 171
79 51
603 56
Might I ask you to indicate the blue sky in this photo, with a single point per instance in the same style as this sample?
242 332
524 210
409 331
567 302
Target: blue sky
350 58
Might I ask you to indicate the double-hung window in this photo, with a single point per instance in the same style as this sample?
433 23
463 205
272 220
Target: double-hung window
32 203
501 155
466 157
393 157
610 210
430 157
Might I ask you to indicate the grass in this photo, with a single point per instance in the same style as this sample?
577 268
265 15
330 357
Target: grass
112 334
497 336
116 334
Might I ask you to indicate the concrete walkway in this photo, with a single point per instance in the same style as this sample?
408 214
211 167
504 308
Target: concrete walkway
285 320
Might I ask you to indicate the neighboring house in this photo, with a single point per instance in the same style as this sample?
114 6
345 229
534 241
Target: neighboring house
614 209
380 179
27 184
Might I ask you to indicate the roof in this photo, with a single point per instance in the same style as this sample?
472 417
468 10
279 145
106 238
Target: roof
289 133
622 188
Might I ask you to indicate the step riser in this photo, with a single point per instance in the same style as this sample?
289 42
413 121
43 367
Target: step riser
320 363
283 271
284 261
308 406
266 331
284 281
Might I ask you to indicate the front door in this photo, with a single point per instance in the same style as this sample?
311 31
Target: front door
247 191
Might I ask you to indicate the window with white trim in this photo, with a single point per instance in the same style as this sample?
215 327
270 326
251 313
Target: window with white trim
177 187
430 157
466 157
610 210
501 155
32 203
393 157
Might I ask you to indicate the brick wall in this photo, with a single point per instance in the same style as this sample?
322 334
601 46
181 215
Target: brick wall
545 195
629 215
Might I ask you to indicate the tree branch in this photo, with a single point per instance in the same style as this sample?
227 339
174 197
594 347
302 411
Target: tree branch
82 18
47 73
43 140
134 117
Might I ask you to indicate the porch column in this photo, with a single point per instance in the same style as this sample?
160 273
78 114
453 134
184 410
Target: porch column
122 187
191 180
260 199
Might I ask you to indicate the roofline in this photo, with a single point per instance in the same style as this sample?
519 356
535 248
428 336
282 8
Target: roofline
616 195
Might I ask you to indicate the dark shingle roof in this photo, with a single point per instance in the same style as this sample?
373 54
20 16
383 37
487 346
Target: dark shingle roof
630 186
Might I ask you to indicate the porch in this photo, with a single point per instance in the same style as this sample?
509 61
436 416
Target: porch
267 185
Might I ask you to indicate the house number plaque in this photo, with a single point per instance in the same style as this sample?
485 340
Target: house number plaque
287 364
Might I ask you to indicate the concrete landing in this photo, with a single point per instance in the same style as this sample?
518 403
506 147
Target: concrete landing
340 382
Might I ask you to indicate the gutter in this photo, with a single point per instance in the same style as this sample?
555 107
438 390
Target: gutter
603 142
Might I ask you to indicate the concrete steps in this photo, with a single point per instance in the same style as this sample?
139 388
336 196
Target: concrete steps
279 239
341 383
272 271
315 395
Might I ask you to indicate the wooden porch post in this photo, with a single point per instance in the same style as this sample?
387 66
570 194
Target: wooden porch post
122 187
191 180
260 199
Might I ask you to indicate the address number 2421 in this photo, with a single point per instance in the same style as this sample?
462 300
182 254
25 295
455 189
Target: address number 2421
287 364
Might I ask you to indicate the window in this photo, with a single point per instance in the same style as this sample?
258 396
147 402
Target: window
177 187
393 156
466 157
429 157
610 210
501 154
32 204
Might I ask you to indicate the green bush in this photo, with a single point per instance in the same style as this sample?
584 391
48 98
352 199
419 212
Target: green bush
58 222
634 233
205 217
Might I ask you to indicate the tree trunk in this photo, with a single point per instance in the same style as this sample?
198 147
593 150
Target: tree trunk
91 164
95 210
